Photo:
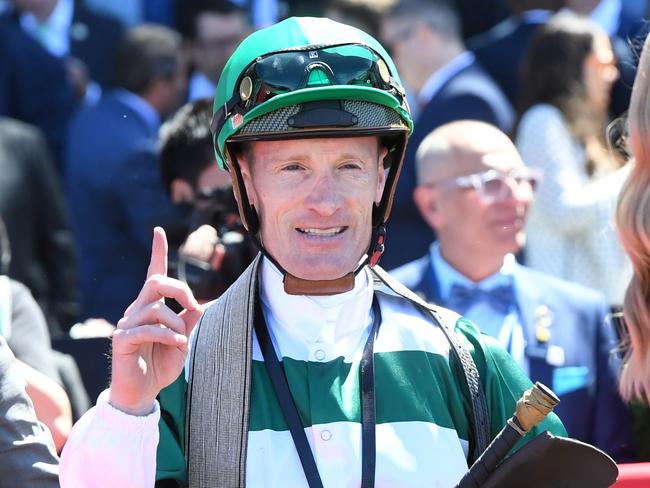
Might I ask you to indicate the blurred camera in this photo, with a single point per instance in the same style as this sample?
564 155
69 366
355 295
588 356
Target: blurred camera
217 208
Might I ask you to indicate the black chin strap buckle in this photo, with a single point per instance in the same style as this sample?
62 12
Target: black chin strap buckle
377 244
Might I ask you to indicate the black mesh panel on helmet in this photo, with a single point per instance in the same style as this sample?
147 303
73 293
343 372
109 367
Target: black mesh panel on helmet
370 116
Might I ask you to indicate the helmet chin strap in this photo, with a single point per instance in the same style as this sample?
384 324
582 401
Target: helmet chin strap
299 286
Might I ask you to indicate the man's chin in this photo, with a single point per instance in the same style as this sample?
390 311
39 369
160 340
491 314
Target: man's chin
320 271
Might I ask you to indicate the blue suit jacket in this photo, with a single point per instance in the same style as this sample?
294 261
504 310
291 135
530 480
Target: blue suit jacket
501 51
116 198
590 406
94 39
34 86
470 94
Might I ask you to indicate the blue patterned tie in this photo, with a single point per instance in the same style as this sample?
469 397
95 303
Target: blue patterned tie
462 298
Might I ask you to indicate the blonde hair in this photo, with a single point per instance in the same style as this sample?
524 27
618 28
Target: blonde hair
633 221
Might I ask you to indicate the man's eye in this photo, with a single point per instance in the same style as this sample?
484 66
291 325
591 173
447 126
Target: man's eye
351 165
292 167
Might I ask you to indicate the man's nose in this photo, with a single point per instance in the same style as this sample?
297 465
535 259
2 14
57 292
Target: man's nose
325 197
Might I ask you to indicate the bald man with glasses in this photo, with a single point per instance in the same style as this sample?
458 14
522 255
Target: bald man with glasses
474 191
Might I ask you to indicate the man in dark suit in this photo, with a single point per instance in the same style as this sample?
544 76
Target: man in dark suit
84 39
94 38
33 85
474 190
448 85
501 49
112 173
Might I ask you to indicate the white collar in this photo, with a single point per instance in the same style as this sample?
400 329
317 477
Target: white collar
442 75
305 317
54 32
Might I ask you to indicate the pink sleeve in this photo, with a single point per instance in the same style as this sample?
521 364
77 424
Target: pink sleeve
108 447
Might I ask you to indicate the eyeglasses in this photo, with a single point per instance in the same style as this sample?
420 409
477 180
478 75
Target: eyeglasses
287 71
493 185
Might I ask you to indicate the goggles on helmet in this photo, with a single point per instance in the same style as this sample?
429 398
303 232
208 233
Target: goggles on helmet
286 71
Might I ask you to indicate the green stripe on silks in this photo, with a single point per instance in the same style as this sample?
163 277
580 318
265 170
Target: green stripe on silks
410 386
170 460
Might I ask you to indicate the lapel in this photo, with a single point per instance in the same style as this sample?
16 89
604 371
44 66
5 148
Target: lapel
430 115
428 287
534 313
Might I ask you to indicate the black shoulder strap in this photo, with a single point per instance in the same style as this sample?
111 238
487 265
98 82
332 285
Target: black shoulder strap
480 422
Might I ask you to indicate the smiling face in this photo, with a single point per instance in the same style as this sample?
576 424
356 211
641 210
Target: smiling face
314 198
469 224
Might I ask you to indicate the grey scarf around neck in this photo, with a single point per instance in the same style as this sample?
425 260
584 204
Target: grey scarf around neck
218 398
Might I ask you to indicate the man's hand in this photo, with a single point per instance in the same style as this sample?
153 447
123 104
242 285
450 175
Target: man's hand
203 244
150 342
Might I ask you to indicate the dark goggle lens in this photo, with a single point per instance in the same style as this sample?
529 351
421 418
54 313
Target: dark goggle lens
288 71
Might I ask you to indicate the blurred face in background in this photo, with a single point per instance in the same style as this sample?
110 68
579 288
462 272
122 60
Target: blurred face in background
170 91
217 36
486 219
397 36
600 72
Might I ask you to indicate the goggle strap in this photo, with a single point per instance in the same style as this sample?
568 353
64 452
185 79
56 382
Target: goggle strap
377 244
221 116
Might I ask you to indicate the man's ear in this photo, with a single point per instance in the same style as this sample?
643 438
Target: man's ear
180 191
426 200
381 174
247 177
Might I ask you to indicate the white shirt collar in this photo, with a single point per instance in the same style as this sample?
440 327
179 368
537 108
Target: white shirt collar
53 34
307 318
447 275
444 74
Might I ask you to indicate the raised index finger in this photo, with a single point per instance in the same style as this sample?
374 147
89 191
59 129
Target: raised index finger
158 263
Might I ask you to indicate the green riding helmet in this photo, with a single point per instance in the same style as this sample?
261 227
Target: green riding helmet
309 77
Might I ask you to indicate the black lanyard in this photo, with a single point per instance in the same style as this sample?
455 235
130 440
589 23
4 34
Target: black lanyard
290 412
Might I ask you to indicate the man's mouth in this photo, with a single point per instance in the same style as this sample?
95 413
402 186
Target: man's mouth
325 232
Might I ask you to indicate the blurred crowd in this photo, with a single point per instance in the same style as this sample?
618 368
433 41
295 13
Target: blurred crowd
105 113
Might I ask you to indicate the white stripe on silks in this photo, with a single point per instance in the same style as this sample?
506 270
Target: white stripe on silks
402 329
409 454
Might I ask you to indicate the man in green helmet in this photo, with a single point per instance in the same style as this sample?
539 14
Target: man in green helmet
314 368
